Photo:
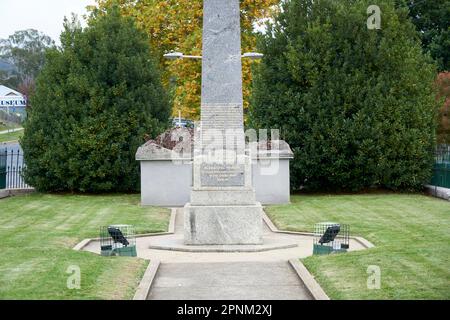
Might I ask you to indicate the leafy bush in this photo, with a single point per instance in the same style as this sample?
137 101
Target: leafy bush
432 20
356 105
96 98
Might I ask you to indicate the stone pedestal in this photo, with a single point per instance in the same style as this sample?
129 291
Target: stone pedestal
219 214
223 225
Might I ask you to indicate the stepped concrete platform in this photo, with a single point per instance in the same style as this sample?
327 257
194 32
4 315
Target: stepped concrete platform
169 247
229 272
176 243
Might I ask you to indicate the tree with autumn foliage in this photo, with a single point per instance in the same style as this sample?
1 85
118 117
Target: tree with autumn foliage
176 25
443 85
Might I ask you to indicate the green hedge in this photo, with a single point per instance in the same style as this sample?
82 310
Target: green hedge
356 105
96 98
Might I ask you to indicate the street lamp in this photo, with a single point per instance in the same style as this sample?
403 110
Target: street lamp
252 55
179 55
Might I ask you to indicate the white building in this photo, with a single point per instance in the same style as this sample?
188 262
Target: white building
12 101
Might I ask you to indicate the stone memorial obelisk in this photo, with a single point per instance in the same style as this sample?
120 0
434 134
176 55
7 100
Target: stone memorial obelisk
223 209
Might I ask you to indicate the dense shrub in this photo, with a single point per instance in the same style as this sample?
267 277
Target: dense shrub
432 20
356 105
96 98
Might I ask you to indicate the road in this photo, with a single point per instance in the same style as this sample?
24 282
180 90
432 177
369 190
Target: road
11 130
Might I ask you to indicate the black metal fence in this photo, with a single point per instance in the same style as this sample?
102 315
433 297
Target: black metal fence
441 169
11 169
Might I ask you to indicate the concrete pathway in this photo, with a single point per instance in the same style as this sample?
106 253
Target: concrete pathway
228 281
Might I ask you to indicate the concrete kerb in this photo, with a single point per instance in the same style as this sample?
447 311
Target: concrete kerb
145 285
308 280
438 192
82 244
224 248
365 243
173 215
305 276
4 193
171 230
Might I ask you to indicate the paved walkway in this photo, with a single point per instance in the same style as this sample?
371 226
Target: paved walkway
225 275
227 281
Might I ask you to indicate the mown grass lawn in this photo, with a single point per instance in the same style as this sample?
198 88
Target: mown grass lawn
37 232
12 136
411 233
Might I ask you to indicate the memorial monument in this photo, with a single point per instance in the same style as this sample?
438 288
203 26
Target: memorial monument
222 209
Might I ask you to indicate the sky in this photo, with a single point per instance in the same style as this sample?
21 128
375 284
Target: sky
46 16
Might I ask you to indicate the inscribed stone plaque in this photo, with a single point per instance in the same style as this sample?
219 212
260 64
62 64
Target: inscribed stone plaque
222 128
222 175
222 116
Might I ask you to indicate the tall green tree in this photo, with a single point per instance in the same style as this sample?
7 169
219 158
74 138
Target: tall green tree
356 105
176 25
25 50
96 98
432 20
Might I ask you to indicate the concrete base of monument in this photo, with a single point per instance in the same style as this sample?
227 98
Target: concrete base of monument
239 197
169 247
223 224
176 243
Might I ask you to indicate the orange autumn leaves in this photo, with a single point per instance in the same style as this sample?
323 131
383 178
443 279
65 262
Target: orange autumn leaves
176 25
443 87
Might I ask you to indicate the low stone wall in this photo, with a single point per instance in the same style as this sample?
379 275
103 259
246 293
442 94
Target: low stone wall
164 183
167 173
4 193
